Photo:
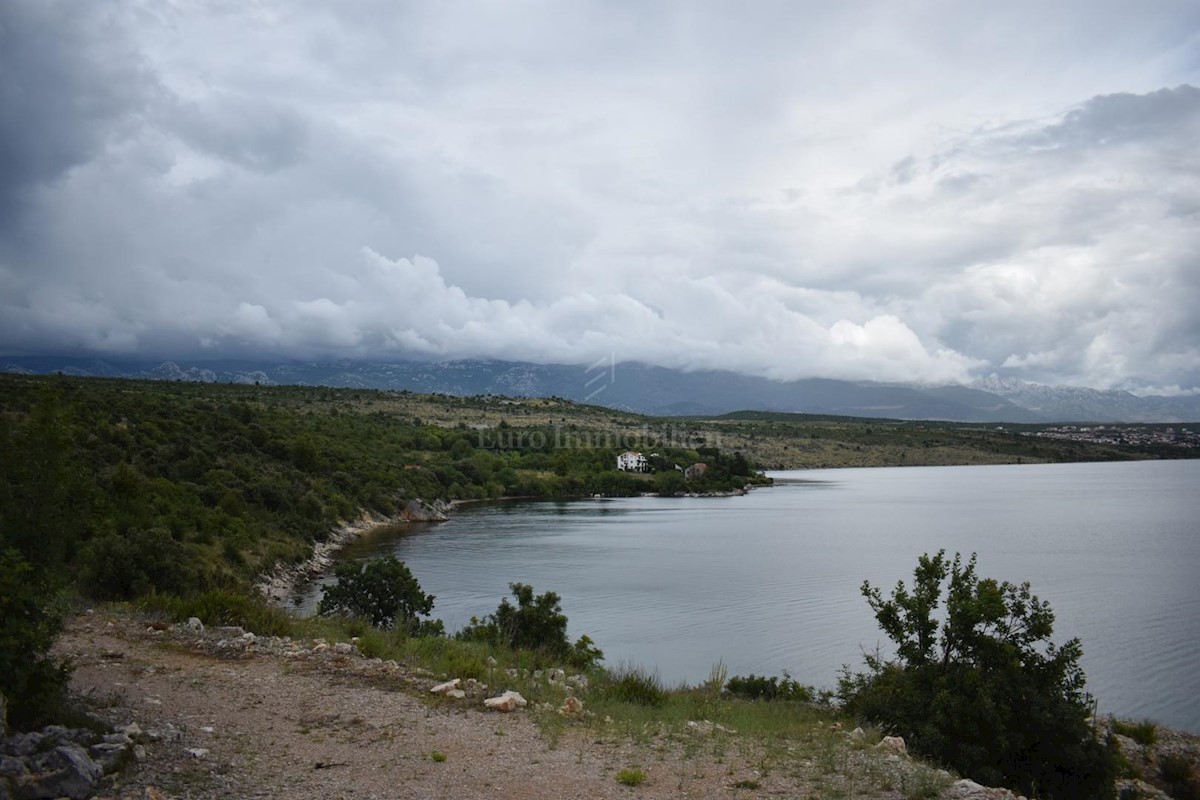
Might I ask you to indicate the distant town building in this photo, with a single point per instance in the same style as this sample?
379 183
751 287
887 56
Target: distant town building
632 461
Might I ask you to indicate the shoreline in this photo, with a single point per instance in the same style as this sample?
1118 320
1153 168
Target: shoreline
285 581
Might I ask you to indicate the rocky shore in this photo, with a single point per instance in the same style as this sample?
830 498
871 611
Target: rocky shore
286 580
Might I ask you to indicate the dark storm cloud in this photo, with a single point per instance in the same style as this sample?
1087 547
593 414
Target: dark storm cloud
865 190
68 81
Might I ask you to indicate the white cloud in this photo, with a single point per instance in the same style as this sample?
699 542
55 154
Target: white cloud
860 190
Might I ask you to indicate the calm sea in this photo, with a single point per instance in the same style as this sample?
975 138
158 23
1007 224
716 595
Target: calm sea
770 581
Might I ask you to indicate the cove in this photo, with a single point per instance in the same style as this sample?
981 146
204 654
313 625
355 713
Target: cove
770 581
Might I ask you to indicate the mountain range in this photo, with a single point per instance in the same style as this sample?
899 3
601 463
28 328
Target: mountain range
660 391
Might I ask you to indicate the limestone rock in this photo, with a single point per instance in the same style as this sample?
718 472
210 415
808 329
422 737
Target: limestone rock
892 744
195 625
65 771
966 789
572 705
507 702
447 687
418 510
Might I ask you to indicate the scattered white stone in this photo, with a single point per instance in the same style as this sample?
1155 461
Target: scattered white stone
345 648
194 624
858 735
456 694
197 752
572 705
447 687
207 728
893 744
507 702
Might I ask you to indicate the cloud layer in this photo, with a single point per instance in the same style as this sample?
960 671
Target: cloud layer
792 190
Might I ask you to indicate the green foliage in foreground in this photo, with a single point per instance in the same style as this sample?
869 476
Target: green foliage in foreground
384 593
30 678
534 623
983 689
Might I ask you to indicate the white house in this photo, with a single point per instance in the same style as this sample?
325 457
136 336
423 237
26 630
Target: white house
631 461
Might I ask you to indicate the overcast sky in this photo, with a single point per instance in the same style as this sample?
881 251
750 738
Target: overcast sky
902 191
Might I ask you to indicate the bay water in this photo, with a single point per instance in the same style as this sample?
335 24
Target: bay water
770 581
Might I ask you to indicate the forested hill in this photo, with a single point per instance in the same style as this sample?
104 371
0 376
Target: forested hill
143 486
138 486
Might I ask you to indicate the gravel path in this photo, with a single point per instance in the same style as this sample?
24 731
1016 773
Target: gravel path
221 723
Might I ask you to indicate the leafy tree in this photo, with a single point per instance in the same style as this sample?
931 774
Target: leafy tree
534 623
981 687
32 681
385 593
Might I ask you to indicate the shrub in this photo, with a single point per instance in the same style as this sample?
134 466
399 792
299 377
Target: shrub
223 607
121 567
631 777
33 682
385 593
983 689
1144 733
1183 783
534 623
752 687
638 687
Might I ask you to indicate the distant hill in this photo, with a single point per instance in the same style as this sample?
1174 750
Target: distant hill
656 390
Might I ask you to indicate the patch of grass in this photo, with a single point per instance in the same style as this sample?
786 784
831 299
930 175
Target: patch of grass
1144 732
745 784
217 607
631 777
438 756
636 686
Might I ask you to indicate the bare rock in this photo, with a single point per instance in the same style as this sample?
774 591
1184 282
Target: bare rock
418 510
195 625
966 789
65 771
447 687
893 744
508 702
572 705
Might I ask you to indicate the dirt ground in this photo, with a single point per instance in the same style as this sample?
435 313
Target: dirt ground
264 725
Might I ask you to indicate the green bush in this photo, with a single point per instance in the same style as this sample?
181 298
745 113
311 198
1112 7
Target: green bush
1144 733
636 686
752 687
223 607
631 777
1178 772
121 567
534 623
983 689
383 592
33 682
